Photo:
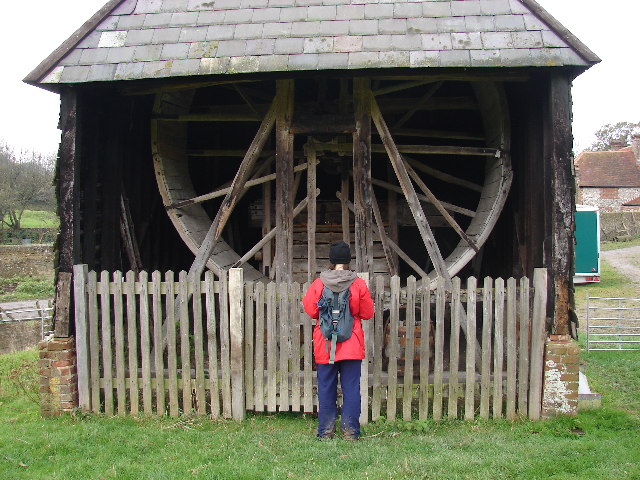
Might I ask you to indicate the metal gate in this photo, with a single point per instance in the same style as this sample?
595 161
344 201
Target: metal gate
613 323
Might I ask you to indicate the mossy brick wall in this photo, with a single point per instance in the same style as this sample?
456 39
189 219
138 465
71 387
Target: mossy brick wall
561 373
58 376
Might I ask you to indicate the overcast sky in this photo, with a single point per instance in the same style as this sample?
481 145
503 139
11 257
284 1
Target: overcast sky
30 31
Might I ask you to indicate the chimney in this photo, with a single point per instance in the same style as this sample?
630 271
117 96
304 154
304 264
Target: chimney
635 145
618 143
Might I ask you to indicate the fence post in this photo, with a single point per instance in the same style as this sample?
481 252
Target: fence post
80 273
538 321
364 373
236 334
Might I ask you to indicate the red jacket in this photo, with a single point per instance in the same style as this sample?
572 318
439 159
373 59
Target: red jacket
361 306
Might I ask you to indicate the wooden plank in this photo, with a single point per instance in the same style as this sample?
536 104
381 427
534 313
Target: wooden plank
524 332
267 250
439 350
118 314
445 177
80 273
378 346
236 340
156 301
259 348
419 103
284 185
364 366
470 374
94 342
345 190
487 324
145 343
307 329
311 213
498 348
409 350
454 350
225 366
425 350
512 353
538 321
62 304
392 261
198 350
284 319
362 191
272 345
249 346
394 319
172 360
212 344
107 355
295 317
132 341
185 343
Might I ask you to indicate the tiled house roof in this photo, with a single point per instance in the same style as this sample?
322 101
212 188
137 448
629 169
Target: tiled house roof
617 168
135 39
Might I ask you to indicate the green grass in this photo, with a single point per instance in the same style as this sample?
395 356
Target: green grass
612 284
599 444
39 219
25 288
634 242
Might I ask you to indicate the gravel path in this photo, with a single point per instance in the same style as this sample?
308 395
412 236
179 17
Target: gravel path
625 261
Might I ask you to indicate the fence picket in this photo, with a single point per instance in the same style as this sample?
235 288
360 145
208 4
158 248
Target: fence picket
487 324
394 319
538 319
284 315
272 353
212 345
425 350
295 347
185 344
198 348
364 366
249 346
145 345
409 349
498 348
512 354
107 355
378 345
225 365
119 334
470 371
236 342
156 302
438 366
307 329
454 350
525 327
132 340
258 391
82 335
94 343
172 360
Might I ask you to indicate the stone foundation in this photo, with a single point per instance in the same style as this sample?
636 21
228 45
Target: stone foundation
58 376
561 376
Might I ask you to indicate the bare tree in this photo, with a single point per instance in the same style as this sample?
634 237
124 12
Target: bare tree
610 135
25 182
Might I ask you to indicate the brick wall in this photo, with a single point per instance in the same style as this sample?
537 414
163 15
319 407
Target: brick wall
58 376
561 372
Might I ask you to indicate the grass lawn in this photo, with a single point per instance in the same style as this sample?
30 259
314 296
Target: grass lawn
25 288
39 219
598 444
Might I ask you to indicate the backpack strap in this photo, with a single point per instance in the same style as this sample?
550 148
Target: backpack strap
335 315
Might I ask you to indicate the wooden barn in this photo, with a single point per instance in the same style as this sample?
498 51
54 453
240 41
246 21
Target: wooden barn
244 136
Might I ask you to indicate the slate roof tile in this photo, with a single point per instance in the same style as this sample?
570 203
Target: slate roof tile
156 38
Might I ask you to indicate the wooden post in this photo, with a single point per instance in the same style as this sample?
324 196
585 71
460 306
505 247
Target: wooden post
344 189
267 251
538 334
284 183
559 157
311 212
392 215
362 176
80 273
236 333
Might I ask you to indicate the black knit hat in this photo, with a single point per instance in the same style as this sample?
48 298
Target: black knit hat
339 253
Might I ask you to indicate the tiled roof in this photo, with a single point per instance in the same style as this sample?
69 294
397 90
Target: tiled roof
131 39
616 168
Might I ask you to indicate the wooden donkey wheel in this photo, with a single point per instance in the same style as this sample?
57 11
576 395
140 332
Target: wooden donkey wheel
451 137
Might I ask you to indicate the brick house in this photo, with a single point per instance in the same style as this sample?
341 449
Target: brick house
610 180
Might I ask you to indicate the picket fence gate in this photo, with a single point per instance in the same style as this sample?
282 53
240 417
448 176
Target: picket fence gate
139 350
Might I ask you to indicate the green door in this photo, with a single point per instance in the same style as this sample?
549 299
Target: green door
587 242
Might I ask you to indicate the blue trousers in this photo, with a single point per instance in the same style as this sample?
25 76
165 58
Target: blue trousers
349 371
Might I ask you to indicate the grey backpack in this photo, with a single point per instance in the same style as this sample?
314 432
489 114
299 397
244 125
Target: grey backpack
336 321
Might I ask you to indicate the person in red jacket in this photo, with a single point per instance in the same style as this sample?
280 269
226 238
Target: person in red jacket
348 355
